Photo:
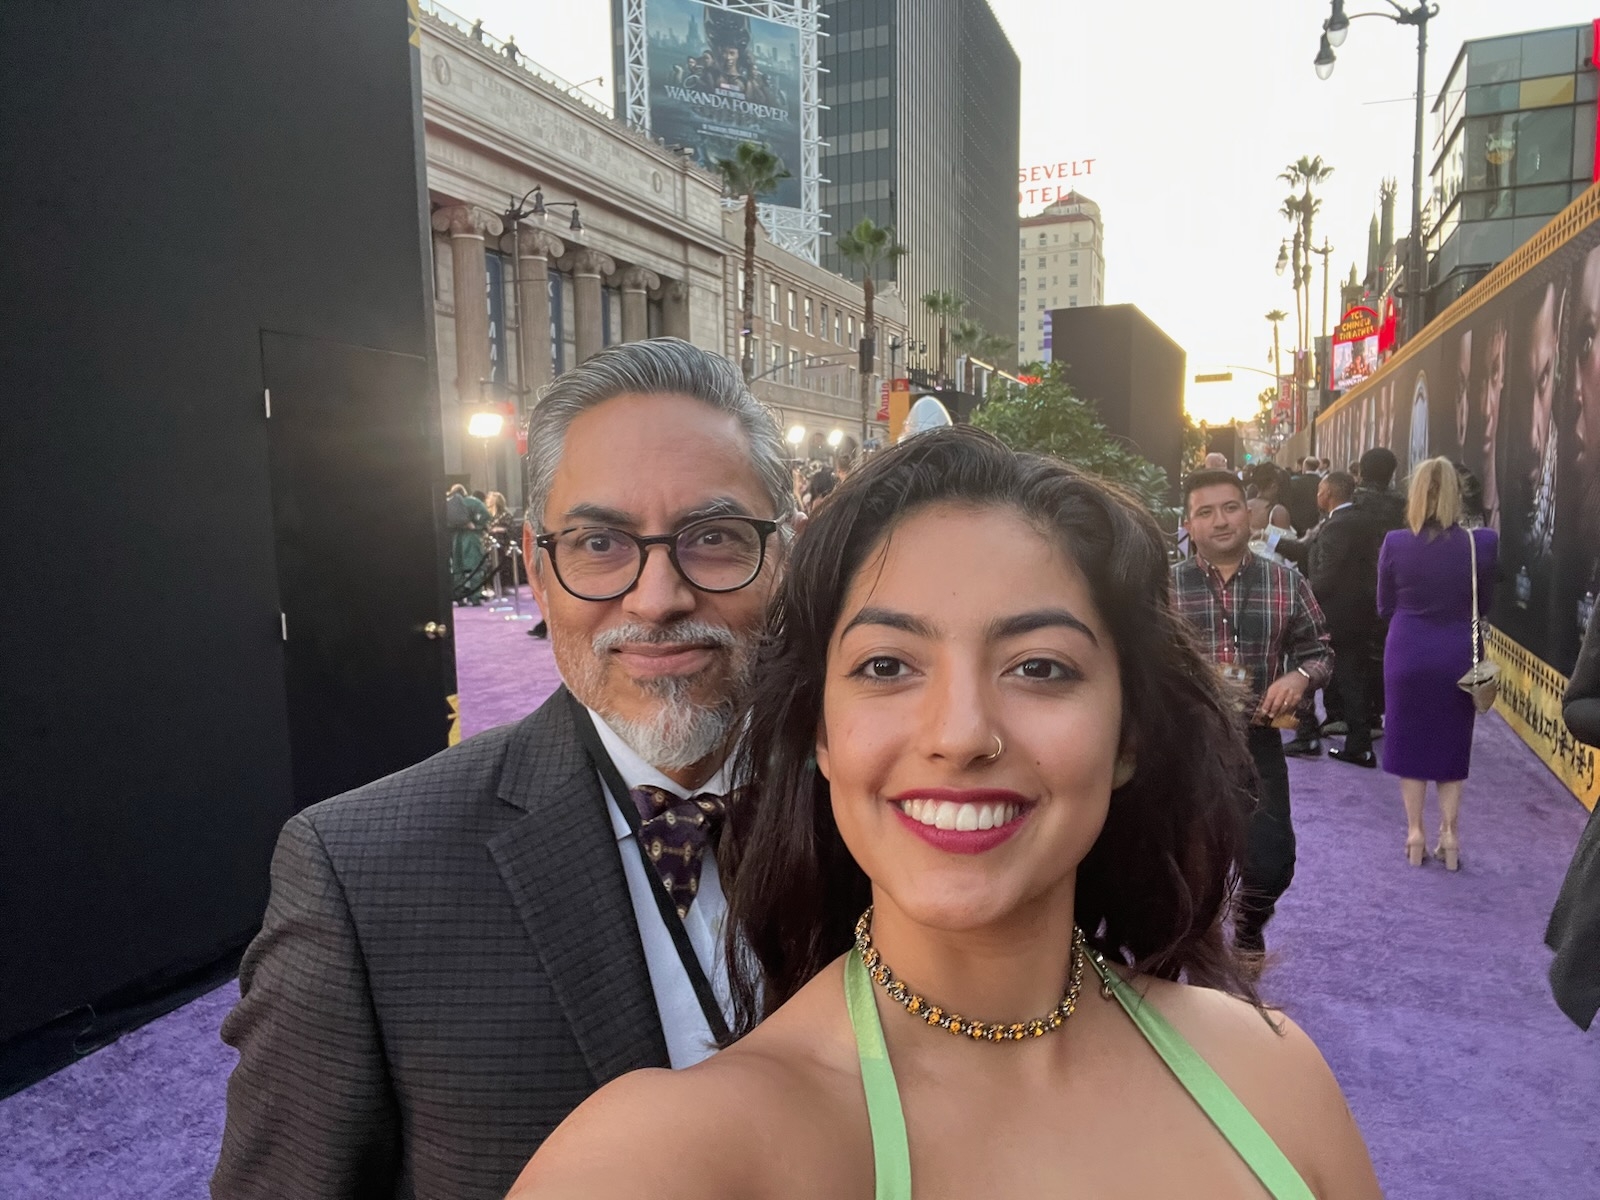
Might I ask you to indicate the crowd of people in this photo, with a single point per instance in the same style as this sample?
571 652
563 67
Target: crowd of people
965 722
1336 581
485 542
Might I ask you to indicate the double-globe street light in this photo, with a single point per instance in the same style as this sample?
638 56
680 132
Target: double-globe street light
489 425
1334 30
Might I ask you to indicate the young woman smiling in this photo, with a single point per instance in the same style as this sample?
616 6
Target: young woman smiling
992 818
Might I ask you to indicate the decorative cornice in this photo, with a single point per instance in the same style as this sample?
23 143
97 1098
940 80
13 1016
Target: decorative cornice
586 261
535 243
467 220
638 279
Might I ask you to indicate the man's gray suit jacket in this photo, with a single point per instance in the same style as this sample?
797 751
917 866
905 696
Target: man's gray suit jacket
448 966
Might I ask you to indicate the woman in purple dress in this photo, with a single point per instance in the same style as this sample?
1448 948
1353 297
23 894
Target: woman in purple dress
1425 589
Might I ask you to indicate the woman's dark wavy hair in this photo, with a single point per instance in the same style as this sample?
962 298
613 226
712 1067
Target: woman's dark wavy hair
1152 890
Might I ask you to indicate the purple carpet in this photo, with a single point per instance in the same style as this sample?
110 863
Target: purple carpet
1425 990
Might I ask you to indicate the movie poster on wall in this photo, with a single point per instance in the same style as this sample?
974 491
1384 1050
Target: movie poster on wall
1510 390
718 78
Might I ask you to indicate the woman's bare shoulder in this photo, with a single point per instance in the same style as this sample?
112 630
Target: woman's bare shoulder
1261 1046
1276 1071
768 1086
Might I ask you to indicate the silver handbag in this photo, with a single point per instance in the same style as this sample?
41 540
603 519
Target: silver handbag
1482 680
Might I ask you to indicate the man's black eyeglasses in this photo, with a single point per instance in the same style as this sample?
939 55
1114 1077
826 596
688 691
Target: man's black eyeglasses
715 554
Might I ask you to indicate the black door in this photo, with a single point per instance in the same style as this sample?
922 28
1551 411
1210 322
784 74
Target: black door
361 576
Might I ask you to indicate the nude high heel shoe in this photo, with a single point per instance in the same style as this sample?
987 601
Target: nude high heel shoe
1416 850
1448 851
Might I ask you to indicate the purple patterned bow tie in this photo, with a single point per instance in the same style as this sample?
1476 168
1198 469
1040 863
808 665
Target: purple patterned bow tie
675 833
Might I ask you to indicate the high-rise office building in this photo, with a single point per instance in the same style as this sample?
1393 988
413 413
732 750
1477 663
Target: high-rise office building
1516 134
1061 263
920 131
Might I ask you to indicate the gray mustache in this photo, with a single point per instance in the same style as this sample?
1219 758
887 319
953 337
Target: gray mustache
698 632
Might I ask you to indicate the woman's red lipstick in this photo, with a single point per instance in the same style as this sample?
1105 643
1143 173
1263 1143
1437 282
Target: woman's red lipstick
952 819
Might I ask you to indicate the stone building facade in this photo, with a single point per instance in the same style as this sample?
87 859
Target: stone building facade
653 255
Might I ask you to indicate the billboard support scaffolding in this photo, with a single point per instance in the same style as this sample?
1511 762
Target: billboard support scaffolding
636 78
795 227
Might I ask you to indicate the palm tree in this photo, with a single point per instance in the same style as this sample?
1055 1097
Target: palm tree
1275 316
1305 173
869 246
946 305
1291 213
992 347
964 339
752 171
972 340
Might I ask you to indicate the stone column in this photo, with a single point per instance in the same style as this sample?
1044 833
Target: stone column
534 249
636 284
467 225
587 266
675 309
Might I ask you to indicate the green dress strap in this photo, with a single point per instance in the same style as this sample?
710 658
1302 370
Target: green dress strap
891 1151
1231 1118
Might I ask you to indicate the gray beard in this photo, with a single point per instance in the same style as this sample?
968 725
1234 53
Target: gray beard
681 731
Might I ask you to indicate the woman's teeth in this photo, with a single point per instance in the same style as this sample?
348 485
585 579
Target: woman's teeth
964 818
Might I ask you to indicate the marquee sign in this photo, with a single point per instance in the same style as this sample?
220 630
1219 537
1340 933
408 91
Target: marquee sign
1355 348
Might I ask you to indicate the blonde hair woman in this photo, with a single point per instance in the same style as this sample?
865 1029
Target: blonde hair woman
1425 589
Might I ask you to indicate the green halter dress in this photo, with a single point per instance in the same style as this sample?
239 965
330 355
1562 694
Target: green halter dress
891 1151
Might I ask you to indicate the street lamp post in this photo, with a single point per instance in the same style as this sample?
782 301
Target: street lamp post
1324 251
1334 30
514 216
486 426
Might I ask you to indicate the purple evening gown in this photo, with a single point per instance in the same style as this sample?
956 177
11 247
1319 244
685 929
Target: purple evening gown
1425 587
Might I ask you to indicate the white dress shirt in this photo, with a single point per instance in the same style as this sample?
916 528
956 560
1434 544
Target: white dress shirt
688 1036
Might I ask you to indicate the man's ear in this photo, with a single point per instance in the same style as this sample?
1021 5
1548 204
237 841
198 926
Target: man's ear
532 568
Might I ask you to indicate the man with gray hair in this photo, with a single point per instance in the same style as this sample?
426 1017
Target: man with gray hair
455 957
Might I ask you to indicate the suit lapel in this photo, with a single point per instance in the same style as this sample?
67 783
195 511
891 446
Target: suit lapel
562 867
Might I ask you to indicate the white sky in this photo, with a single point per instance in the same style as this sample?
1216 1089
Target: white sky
1189 109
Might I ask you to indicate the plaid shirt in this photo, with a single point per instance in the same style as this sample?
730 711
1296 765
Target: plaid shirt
1278 624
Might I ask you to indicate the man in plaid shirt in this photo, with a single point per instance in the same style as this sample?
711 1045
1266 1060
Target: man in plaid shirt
1261 626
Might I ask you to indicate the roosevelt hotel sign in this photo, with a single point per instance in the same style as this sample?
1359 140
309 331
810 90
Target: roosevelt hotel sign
1046 183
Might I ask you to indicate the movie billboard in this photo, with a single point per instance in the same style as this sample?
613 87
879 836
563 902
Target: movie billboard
718 78
1355 349
1510 389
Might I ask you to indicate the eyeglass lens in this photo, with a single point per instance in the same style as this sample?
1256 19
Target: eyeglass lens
717 554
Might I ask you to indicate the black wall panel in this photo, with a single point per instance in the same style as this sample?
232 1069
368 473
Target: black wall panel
179 178
1120 359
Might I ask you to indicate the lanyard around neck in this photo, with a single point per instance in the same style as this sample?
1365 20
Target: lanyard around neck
589 739
1241 598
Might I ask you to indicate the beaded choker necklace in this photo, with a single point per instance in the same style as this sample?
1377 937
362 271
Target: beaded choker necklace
979 1031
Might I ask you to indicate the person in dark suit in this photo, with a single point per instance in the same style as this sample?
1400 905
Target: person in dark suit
1342 568
455 957
1574 929
1302 496
1376 496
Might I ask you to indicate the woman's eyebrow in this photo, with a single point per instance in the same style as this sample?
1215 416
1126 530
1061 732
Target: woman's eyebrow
889 617
1001 627
1040 618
